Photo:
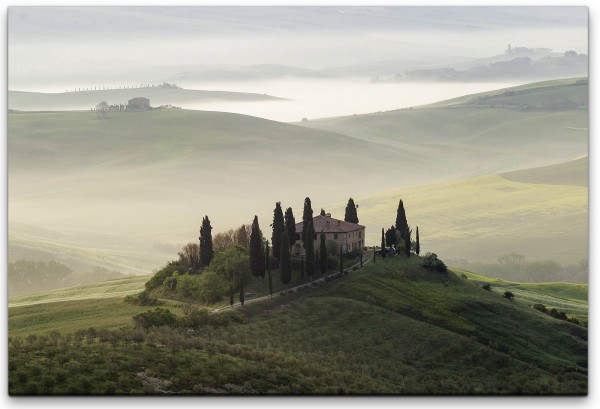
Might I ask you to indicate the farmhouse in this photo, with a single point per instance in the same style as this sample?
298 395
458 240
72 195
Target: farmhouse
350 236
138 104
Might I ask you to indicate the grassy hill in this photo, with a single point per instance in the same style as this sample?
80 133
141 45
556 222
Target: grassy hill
84 100
104 289
484 217
127 191
390 327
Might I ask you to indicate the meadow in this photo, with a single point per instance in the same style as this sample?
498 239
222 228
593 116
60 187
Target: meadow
390 327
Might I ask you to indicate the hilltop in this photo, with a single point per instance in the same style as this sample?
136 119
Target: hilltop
87 99
390 327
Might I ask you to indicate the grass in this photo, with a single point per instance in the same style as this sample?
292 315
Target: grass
105 289
390 327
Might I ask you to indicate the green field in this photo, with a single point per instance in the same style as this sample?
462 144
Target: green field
104 289
390 327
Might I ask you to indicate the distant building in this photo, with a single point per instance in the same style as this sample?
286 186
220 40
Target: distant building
138 104
350 236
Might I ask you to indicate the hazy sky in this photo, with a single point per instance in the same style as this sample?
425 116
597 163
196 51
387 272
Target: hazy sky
62 45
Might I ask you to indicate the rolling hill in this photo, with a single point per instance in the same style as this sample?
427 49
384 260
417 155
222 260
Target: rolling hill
127 191
539 212
85 100
390 327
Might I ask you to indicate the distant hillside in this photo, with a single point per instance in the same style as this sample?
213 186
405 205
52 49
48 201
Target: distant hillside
568 173
481 218
84 100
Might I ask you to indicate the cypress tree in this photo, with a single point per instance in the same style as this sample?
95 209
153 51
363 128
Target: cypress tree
350 215
324 256
407 242
230 294
309 246
382 243
341 261
285 261
257 256
206 245
290 224
401 223
374 255
323 212
242 292
268 265
417 244
307 215
278 225
242 236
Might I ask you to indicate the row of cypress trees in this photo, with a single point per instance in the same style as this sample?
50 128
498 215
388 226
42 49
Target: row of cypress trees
401 231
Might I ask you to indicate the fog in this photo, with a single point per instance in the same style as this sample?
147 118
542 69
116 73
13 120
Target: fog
127 194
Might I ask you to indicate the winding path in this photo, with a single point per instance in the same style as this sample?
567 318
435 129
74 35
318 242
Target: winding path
305 285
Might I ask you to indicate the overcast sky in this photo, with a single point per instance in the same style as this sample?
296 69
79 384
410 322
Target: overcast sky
66 44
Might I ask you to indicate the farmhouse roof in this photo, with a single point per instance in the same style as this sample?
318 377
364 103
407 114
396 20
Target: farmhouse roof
328 224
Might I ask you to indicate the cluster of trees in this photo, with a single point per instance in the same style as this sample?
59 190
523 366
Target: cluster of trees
399 235
223 263
163 85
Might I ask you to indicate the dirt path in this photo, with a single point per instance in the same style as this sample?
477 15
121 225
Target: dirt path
268 297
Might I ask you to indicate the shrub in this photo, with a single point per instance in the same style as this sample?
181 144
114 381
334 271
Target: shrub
212 287
431 262
189 285
509 295
161 275
487 287
463 275
142 298
157 317
540 307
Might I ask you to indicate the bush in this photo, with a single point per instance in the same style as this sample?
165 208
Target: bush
540 307
509 295
188 285
161 275
487 287
157 317
431 262
212 287
142 298
463 275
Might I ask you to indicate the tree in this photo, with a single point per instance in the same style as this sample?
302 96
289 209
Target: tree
401 223
307 215
350 215
232 264
323 212
417 244
290 224
101 108
285 261
206 246
382 243
242 291
241 236
324 257
390 237
407 242
278 225
302 267
257 255
189 256
268 265
341 261
309 245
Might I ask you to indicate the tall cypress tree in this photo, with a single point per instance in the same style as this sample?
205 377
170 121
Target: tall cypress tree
278 225
407 243
324 256
307 215
401 223
242 292
231 294
309 245
257 256
268 266
350 215
285 261
206 245
290 224
383 254
417 244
